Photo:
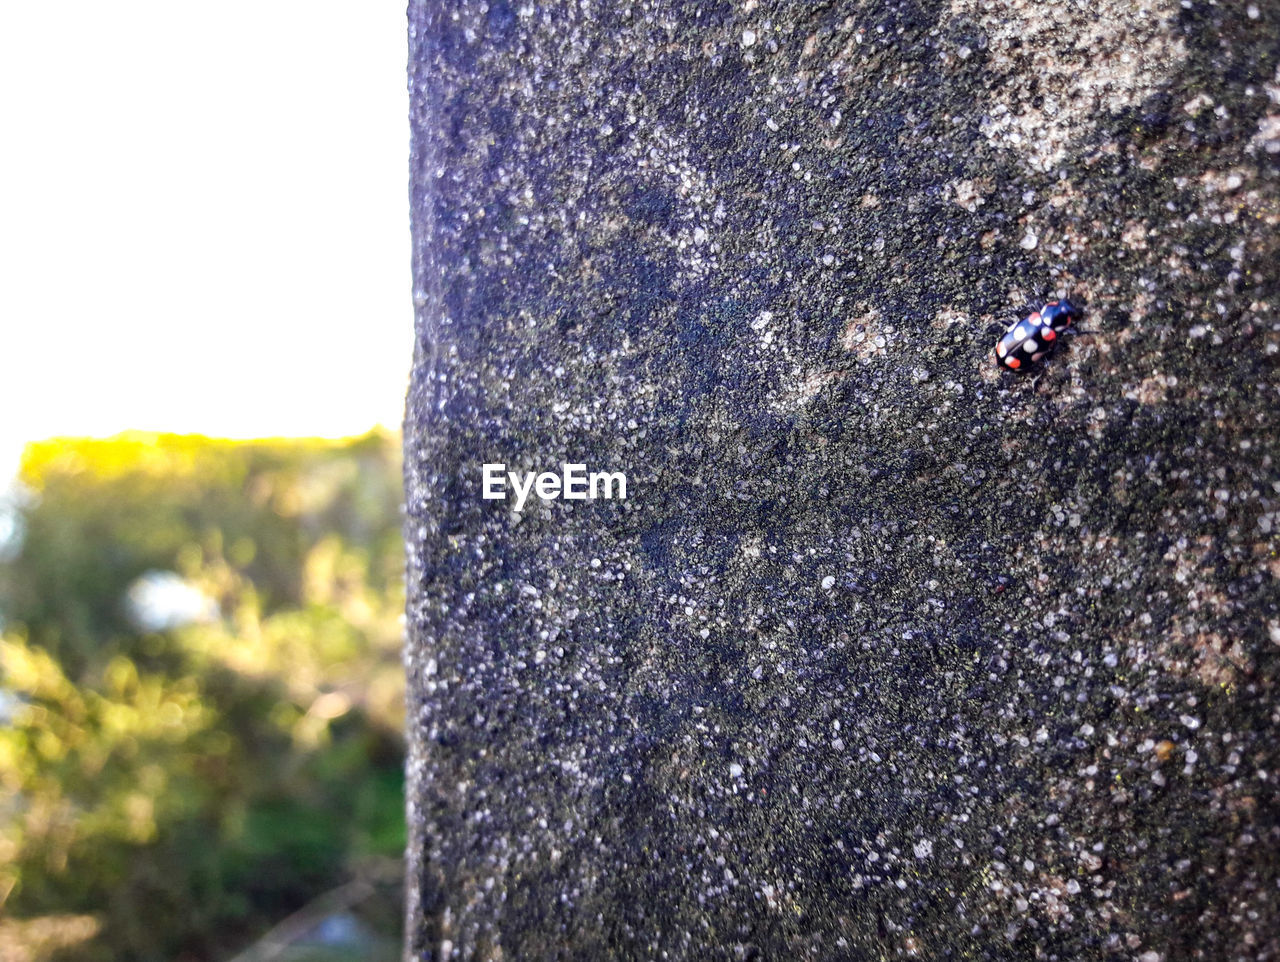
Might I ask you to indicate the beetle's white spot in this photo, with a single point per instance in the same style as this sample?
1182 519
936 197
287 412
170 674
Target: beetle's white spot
1002 348
1031 346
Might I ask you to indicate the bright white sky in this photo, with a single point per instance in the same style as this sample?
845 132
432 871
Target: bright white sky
203 217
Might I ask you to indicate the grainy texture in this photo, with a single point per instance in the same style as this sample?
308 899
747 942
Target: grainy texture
888 653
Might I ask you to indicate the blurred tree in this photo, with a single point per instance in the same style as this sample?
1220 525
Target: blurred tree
201 675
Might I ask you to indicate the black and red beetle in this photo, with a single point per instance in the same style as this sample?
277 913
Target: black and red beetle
1030 340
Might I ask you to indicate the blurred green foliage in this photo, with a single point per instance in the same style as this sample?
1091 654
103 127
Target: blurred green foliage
181 789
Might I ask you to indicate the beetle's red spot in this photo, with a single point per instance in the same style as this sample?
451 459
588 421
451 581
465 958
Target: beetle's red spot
1048 335
1014 363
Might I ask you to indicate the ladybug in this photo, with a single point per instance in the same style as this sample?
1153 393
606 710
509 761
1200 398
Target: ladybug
1029 340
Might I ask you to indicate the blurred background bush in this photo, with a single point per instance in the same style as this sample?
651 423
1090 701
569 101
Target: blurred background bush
201 700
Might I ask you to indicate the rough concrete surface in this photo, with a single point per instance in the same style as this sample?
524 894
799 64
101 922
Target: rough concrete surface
888 654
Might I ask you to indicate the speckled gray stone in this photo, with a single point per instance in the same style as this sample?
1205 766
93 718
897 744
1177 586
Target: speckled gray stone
888 653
